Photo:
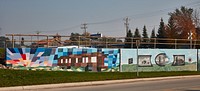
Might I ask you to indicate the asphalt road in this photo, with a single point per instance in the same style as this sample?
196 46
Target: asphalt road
183 84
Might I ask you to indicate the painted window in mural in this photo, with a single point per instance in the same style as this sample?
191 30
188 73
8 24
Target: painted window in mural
90 59
130 61
179 60
144 60
161 59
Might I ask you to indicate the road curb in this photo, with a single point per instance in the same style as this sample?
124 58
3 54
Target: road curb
35 87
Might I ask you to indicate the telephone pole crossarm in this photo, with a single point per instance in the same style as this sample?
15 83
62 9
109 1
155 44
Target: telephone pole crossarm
126 24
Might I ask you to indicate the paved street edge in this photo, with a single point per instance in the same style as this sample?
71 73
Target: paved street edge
61 85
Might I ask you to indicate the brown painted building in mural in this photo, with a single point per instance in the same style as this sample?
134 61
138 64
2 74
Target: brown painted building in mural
91 62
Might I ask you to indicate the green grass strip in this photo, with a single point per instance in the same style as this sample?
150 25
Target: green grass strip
23 77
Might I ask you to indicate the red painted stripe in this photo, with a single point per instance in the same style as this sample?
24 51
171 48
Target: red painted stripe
23 56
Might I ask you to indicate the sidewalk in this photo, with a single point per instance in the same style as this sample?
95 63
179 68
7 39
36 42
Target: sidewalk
35 87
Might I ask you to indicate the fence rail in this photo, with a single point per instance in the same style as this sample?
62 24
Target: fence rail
98 42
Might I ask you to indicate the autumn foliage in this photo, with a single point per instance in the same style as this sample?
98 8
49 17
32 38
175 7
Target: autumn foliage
180 24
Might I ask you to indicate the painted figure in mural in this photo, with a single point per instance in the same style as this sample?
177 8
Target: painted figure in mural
179 60
161 59
144 60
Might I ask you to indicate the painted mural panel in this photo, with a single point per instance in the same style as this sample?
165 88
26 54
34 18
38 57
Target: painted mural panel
67 59
144 60
30 57
159 60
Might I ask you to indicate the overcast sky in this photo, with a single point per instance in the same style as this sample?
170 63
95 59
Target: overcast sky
66 16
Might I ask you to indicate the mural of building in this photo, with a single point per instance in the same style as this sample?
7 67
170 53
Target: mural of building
159 60
91 62
90 59
69 59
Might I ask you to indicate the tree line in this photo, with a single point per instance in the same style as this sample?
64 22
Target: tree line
183 23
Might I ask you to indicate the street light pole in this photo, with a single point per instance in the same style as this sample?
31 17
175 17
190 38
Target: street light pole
137 62
137 44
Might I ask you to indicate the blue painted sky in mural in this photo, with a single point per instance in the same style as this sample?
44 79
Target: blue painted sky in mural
131 53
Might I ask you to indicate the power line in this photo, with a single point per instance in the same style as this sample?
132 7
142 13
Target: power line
107 21
69 28
147 14
84 27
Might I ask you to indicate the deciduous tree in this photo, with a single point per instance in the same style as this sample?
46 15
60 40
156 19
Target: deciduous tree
183 23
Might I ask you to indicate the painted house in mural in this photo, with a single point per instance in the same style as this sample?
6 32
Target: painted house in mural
91 62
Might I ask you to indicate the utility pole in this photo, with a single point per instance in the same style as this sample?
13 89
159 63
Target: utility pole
84 27
126 24
38 32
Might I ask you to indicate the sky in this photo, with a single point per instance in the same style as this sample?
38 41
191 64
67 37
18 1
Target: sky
103 16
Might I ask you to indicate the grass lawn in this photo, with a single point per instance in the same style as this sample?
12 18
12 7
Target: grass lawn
24 77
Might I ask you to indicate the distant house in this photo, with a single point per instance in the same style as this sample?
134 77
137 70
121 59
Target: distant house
55 41
67 42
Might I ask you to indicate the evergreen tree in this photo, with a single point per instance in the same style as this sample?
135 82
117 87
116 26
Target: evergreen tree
161 35
144 34
137 33
161 30
153 35
171 32
152 40
136 36
145 37
128 39
171 29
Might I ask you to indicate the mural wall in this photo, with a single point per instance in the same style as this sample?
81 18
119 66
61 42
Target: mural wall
102 60
68 59
159 60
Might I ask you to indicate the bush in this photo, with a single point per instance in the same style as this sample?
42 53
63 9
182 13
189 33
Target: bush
2 56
